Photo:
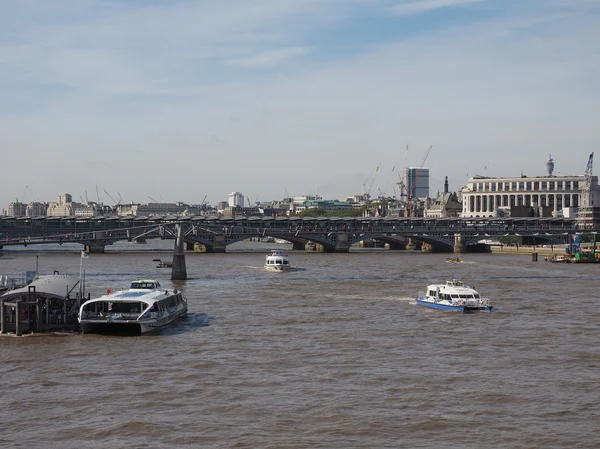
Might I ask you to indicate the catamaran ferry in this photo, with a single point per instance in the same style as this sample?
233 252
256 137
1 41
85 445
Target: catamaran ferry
144 307
453 295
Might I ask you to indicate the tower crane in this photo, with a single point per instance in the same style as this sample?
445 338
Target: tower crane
368 191
586 193
413 185
114 201
401 178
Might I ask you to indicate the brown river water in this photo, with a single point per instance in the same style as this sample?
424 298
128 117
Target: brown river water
332 355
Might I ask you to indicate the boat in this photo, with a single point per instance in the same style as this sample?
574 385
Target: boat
277 261
455 296
162 263
144 307
454 260
559 258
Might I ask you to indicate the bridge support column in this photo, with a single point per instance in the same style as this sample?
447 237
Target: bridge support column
218 244
298 246
96 247
459 246
189 246
342 245
397 246
179 270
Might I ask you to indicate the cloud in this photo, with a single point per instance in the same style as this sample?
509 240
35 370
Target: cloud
507 89
423 6
269 58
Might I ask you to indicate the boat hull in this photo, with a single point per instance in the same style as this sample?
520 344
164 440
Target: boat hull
128 327
277 268
450 308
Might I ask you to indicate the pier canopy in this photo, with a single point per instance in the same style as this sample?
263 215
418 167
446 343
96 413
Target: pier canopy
45 304
56 286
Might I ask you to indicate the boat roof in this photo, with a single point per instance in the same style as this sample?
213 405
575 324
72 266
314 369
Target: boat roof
51 286
133 295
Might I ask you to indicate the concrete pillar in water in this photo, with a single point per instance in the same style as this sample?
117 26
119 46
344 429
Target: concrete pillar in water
18 323
96 247
342 245
189 246
459 246
298 246
179 270
218 244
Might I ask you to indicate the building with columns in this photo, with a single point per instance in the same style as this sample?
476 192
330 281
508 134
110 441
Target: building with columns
482 196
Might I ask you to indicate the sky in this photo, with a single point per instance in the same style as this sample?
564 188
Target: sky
189 100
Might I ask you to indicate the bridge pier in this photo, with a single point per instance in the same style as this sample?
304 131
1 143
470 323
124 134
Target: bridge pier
189 246
342 245
298 246
179 270
459 245
396 246
96 247
218 244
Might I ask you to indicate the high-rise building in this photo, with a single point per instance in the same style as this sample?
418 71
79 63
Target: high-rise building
417 182
236 199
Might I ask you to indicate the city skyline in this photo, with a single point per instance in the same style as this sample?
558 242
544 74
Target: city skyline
178 100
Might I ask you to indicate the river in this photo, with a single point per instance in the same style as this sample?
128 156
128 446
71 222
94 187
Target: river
332 355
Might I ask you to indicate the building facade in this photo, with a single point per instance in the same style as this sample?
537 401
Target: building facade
17 209
37 209
417 182
445 205
483 196
236 199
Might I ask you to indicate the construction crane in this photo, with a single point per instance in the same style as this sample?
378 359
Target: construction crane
401 182
148 197
586 193
413 185
368 190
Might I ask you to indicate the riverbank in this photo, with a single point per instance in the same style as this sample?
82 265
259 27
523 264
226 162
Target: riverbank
528 250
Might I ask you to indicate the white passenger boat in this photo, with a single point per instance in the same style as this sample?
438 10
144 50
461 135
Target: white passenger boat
453 295
277 261
144 307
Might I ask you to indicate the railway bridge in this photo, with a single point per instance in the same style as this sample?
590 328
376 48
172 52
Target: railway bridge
335 234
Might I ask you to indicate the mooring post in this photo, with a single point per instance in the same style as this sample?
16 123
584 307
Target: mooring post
18 317
179 271
38 315
2 316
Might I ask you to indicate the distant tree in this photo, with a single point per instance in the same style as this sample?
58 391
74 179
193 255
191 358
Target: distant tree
344 213
511 240
312 212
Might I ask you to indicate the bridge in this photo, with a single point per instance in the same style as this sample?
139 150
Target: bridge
335 234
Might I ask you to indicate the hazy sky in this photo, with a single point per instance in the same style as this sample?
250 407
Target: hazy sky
178 99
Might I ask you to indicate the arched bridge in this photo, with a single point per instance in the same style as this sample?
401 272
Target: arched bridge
335 234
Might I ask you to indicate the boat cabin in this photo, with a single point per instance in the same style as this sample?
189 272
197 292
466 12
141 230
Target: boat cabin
145 285
452 290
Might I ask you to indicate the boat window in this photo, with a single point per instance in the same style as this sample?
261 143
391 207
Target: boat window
476 295
144 285
454 296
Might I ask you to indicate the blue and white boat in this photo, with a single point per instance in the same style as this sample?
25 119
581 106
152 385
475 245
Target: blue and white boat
144 307
454 296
